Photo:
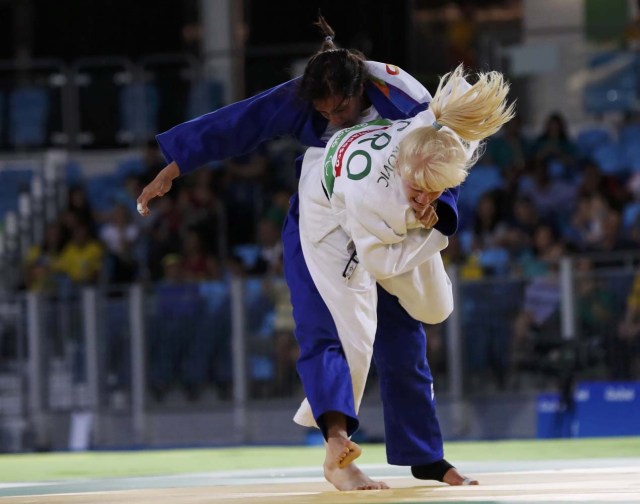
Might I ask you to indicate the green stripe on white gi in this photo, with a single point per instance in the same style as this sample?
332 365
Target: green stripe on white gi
329 174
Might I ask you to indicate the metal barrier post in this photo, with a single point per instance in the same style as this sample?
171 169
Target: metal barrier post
239 359
567 299
138 363
36 373
455 356
92 362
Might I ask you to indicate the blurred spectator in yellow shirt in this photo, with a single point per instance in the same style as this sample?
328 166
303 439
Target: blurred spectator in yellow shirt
41 258
81 258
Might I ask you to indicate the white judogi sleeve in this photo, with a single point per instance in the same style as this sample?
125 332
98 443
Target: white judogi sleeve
379 229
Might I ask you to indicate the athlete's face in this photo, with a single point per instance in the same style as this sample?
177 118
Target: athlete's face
419 199
339 110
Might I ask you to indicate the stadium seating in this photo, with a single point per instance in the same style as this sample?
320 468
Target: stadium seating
28 114
616 90
482 178
589 139
611 159
138 107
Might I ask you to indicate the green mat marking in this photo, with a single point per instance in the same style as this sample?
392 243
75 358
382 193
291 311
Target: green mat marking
74 466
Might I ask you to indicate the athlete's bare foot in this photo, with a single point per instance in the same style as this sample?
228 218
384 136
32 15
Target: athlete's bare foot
342 450
454 478
350 478
339 469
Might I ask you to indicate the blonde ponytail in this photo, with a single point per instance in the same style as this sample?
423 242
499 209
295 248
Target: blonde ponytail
435 159
475 113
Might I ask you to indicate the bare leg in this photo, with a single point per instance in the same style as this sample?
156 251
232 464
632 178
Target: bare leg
338 466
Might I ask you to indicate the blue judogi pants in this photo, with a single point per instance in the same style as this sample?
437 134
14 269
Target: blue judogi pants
412 431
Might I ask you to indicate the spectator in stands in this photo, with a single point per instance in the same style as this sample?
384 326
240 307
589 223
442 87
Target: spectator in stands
42 257
119 234
546 248
509 149
243 188
594 182
594 304
488 225
468 265
80 207
278 207
164 235
286 348
632 31
554 141
537 326
552 197
195 261
152 162
81 258
624 358
269 259
588 222
461 34
613 240
174 331
521 226
489 235
201 212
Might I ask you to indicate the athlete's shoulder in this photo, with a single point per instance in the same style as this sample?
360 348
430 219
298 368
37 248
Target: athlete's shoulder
395 76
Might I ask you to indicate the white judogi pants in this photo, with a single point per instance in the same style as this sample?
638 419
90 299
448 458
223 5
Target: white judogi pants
424 292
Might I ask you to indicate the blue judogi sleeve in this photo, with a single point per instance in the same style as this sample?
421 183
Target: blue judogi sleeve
241 127
447 212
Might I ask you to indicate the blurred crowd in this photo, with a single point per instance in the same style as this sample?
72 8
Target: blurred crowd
531 200
215 223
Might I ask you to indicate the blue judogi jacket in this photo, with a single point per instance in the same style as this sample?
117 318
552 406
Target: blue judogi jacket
242 126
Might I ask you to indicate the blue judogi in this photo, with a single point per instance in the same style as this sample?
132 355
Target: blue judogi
412 431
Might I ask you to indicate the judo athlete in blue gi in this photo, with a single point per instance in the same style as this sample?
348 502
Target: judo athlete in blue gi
366 202
339 89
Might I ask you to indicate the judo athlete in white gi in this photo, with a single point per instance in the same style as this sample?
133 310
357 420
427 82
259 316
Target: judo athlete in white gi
339 89
364 201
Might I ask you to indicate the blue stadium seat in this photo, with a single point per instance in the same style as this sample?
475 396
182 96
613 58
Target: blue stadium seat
618 90
629 135
102 191
138 112
611 159
589 139
28 114
13 181
204 96
248 254
496 260
481 179
130 167
215 294
630 215
73 172
631 153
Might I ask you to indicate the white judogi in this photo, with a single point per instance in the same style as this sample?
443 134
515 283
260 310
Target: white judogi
351 196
